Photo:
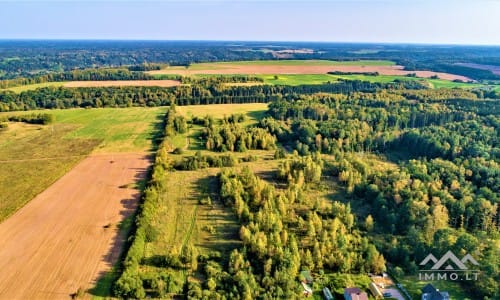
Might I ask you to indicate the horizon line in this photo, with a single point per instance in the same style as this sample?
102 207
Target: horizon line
247 41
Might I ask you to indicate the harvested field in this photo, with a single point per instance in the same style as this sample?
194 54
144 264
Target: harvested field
160 83
315 67
67 236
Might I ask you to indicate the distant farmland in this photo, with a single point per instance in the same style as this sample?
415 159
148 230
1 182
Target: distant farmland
160 83
301 67
103 83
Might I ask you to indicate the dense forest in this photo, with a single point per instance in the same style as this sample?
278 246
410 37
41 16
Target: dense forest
213 91
444 194
32 58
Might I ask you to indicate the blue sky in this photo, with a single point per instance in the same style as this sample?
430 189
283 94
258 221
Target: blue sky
389 21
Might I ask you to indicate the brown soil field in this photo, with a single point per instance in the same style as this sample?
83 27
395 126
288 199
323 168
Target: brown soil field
304 69
160 83
68 236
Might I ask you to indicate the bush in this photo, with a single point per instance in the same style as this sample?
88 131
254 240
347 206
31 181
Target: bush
178 150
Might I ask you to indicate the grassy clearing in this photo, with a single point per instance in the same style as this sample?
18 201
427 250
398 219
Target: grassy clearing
414 287
181 220
32 157
120 129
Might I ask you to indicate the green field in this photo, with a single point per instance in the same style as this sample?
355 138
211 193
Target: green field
119 129
254 111
32 157
311 62
298 79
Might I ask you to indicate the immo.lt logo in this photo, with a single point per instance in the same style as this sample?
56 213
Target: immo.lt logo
449 267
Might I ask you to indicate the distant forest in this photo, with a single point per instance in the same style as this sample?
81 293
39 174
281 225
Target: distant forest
33 58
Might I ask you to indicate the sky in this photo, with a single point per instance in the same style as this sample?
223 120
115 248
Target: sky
384 21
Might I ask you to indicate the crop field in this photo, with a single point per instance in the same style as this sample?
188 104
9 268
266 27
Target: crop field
105 83
67 237
32 157
298 79
299 67
310 62
100 83
254 111
37 169
119 129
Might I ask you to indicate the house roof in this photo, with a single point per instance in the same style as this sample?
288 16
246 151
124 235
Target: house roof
352 290
428 288
359 296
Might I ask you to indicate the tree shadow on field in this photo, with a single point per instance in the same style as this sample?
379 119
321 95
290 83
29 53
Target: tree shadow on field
156 135
257 115
116 253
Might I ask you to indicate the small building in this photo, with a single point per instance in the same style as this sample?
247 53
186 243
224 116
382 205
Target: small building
354 293
307 277
328 294
307 289
429 292
375 291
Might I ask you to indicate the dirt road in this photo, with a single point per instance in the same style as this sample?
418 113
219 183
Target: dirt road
67 236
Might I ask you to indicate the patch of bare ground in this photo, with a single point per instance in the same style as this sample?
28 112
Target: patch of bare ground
67 237
106 83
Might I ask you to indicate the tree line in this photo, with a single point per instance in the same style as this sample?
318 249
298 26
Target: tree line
60 97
